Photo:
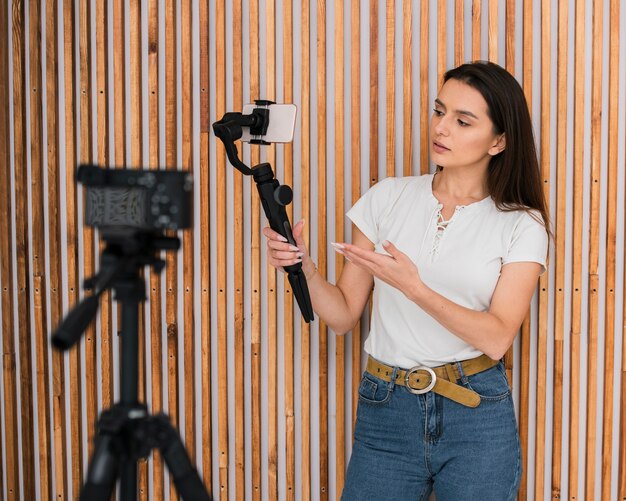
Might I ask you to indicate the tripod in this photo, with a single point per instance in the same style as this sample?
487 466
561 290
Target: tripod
126 431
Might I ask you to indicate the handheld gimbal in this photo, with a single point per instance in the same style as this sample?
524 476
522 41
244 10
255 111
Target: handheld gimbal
274 196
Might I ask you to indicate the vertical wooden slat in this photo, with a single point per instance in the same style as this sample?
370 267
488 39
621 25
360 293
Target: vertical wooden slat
390 85
525 354
9 376
509 44
577 237
272 327
559 262
238 267
39 251
220 218
8 358
476 20
305 346
186 45
156 324
542 331
54 244
355 145
407 83
459 42
255 269
510 66
373 132
88 252
610 252
424 166
322 241
524 418
136 160
205 273
441 40
119 96
171 269
102 113
76 372
288 317
492 34
594 235
20 124
340 236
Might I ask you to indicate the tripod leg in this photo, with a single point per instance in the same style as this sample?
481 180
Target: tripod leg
102 472
186 478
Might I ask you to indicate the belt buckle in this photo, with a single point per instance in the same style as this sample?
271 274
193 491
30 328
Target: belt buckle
417 391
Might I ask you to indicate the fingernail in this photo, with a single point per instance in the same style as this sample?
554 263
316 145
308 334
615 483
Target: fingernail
339 251
337 246
294 248
297 260
300 254
386 243
281 238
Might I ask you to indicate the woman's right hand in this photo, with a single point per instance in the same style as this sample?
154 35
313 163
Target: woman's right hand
281 253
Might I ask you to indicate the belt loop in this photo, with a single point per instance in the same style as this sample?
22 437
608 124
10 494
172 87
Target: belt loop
462 376
392 383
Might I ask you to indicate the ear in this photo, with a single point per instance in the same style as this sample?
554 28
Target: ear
499 145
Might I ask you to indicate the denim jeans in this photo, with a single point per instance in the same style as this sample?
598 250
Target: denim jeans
407 446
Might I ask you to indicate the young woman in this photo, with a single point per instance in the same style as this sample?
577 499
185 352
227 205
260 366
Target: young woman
454 258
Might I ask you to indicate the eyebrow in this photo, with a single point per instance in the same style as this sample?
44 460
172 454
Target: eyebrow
460 112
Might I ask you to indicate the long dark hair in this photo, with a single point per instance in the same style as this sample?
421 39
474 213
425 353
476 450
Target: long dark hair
513 176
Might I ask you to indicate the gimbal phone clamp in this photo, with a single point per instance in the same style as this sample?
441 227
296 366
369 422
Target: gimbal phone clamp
274 196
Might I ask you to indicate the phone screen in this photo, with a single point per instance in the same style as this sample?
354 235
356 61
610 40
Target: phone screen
282 122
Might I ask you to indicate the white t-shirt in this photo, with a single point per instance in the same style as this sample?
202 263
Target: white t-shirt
462 262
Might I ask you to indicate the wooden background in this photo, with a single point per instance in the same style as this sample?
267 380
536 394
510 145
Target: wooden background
264 402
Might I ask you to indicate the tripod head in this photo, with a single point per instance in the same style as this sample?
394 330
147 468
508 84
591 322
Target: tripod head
257 128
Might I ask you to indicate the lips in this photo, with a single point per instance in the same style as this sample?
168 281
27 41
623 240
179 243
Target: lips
439 147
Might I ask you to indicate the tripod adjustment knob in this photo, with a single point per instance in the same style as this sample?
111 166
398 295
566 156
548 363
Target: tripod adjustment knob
283 195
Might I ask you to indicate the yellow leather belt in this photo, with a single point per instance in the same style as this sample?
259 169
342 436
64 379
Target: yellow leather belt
442 380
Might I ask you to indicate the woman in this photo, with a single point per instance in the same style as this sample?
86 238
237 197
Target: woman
454 258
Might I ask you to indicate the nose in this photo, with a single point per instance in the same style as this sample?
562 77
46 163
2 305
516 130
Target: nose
440 127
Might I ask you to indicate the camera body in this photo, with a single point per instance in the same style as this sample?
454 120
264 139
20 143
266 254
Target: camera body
122 200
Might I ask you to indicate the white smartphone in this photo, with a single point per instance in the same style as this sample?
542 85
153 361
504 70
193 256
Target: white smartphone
281 126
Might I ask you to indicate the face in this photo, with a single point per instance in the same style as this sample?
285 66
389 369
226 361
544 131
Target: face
461 131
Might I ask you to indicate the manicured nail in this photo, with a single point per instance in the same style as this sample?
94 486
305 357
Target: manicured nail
337 246
281 238
294 248
386 243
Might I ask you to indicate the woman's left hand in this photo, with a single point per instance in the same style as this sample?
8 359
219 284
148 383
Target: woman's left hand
396 269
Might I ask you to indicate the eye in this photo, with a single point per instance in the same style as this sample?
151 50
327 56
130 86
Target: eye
462 123
437 112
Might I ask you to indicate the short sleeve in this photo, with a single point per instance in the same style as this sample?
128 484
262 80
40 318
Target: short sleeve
529 242
369 210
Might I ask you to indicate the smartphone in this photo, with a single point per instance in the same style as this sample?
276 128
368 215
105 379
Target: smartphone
281 124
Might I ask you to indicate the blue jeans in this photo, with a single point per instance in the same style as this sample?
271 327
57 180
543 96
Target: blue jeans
407 446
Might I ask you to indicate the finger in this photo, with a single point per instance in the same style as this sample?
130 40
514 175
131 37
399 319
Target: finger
282 246
281 263
273 235
391 249
297 233
286 255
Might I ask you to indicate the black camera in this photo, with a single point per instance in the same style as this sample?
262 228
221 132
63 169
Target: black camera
123 200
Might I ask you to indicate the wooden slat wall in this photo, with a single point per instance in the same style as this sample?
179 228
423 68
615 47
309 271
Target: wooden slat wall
270 416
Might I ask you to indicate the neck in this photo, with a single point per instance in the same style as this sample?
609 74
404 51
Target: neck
460 184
